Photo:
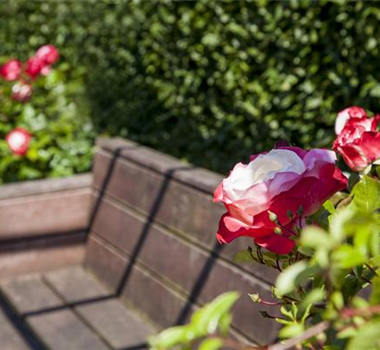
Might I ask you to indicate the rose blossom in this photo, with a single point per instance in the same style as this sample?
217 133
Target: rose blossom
21 91
11 70
34 66
359 142
48 54
18 140
345 115
288 181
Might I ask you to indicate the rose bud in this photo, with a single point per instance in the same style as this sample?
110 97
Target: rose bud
34 66
11 70
359 142
287 183
21 91
48 54
18 141
344 116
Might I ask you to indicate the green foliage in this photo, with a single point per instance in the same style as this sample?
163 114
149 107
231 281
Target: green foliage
343 261
212 319
210 81
320 288
367 194
56 117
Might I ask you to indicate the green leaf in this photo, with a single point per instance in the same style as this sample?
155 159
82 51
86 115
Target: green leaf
206 320
317 238
367 194
329 206
375 294
244 256
295 274
367 337
347 257
211 344
351 286
169 338
291 331
316 295
338 222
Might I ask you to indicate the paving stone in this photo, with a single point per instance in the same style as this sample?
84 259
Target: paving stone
63 330
10 339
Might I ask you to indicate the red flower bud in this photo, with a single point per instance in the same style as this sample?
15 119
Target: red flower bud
11 70
48 54
34 66
21 91
18 140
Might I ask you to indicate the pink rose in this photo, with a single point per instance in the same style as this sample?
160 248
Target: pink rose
34 66
21 91
359 142
11 70
345 115
288 181
18 141
48 54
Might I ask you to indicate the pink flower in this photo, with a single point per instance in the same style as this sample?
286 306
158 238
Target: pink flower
48 54
359 142
288 181
345 115
18 140
11 70
21 91
34 66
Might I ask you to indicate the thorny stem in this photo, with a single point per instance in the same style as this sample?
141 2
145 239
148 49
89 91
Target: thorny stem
259 255
365 280
311 332
270 303
348 313
290 232
371 269
278 265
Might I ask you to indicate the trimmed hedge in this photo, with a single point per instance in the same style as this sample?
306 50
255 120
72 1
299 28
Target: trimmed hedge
211 81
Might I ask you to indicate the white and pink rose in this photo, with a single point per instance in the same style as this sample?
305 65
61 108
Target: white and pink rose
288 181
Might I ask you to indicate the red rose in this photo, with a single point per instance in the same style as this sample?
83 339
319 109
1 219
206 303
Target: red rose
21 91
18 141
359 142
347 114
11 70
34 66
48 54
288 181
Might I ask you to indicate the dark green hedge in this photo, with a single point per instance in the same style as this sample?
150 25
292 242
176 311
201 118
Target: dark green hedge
211 81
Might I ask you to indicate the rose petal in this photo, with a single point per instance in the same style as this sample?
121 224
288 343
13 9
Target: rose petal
276 243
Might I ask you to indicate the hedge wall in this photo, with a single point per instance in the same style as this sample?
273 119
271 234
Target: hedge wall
211 81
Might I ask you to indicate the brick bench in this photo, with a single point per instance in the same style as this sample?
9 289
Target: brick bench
150 244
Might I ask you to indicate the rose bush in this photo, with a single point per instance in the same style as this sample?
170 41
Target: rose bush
287 182
358 140
50 105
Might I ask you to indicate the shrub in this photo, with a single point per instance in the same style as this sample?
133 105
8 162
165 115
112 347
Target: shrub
61 143
210 81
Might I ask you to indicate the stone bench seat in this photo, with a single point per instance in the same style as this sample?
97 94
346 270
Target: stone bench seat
102 260
67 309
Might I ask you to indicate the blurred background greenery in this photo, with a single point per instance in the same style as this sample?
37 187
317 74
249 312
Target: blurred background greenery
207 81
